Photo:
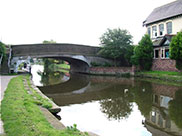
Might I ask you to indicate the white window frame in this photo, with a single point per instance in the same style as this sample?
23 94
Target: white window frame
163 53
171 27
160 30
148 31
154 33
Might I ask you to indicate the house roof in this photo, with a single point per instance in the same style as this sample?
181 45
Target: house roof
161 41
170 10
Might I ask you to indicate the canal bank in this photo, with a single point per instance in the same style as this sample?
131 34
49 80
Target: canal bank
173 78
21 106
168 76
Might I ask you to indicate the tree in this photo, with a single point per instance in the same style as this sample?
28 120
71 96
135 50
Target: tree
2 50
115 44
143 53
176 50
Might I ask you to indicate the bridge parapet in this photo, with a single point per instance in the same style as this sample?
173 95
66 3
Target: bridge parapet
56 49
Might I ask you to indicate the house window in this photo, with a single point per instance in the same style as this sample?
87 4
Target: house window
156 53
169 27
165 53
149 31
154 32
161 29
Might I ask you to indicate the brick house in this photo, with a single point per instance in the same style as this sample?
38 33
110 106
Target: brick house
162 24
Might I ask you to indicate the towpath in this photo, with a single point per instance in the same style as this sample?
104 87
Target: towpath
4 80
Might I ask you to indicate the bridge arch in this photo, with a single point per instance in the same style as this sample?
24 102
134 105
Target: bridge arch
79 56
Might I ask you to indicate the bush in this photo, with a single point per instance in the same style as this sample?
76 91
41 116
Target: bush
143 53
176 50
2 49
95 64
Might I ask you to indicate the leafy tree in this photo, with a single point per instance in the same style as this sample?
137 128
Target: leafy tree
115 44
51 41
143 53
128 54
2 50
176 50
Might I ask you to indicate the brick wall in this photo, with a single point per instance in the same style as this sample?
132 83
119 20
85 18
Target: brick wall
164 65
111 70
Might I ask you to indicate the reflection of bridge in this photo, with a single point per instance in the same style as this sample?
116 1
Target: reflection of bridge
81 89
79 56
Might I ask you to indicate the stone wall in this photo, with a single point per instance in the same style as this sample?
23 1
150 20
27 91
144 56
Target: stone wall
164 65
111 70
52 49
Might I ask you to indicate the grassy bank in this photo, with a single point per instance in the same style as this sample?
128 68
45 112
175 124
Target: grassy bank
64 66
22 116
173 77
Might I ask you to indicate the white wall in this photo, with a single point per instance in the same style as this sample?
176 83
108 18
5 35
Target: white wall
176 26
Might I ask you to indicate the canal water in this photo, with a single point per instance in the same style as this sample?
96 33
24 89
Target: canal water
112 106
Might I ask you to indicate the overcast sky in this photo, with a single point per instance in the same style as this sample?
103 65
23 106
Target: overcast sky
71 21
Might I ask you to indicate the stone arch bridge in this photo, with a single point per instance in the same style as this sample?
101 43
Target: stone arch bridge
79 57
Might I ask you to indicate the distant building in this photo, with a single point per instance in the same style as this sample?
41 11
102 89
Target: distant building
162 24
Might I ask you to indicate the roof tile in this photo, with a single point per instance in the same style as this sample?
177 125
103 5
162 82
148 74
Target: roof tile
164 12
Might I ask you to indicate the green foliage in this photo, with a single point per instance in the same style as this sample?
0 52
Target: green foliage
95 64
22 117
53 71
115 44
73 129
2 49
164 77
143 53
129 54
46 42
176 50
175 109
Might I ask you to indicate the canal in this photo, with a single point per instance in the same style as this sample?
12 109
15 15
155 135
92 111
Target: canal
113 106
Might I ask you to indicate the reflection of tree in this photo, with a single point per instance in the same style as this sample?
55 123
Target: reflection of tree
175 108
49 76
143 97
117 108
119 105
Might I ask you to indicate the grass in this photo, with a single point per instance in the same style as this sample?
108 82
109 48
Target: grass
22 116
64 66
169 73
162 75
60 67
39 99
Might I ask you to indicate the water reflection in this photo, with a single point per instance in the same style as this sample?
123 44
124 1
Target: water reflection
117 107
165 116
153 107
